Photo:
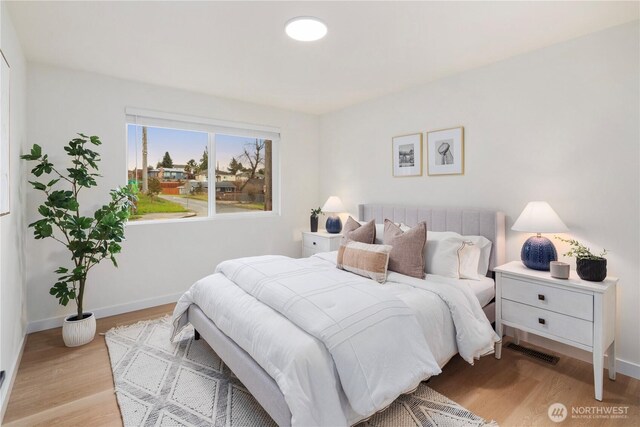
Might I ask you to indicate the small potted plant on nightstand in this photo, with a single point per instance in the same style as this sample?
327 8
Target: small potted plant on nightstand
314 219
89 239
588 266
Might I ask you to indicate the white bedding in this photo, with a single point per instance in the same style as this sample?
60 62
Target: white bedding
299 363
484 289
374 338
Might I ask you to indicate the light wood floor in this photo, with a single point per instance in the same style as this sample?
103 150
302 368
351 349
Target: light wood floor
58 386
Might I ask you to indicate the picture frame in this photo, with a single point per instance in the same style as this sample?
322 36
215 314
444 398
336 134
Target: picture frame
406 155
5 143
445 151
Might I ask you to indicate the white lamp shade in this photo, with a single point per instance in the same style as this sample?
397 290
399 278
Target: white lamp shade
539 217
333 204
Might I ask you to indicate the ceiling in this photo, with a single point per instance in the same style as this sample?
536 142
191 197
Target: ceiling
239 49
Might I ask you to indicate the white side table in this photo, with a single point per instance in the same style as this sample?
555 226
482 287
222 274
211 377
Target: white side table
575 312
321 241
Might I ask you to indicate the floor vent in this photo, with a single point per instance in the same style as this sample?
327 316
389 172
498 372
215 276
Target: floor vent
544 357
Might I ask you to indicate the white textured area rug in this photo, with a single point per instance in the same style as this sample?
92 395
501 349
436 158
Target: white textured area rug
159 383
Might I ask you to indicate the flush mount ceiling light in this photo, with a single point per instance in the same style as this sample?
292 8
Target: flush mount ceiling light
305 28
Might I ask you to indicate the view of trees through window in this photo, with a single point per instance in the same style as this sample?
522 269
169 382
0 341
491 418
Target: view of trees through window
170 172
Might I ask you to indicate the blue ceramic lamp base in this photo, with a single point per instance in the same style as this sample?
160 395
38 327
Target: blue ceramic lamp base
334 224
537 252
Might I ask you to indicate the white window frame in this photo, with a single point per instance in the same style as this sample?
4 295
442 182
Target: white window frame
142 117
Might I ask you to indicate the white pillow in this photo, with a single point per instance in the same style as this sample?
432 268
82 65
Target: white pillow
452 257
484 245
441 257
379 232
481 242
468 257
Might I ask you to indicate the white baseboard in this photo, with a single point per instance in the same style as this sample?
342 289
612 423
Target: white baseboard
623 367
56 322
11 378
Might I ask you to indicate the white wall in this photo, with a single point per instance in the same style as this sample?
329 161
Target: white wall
12 235
160 260
559 124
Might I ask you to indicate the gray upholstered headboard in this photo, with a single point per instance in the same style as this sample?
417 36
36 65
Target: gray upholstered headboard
468 222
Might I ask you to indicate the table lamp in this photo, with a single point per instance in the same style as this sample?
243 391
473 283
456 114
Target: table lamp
538 217
333 205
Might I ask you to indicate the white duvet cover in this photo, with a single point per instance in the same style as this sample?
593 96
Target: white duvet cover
300 363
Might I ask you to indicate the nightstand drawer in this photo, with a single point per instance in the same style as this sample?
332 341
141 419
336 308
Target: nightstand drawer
559 325
563 301
317 243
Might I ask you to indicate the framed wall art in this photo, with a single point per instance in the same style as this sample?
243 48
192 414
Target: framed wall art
407 155
5 159
445 152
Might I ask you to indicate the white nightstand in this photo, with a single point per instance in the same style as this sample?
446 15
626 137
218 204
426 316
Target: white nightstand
574 312
312 243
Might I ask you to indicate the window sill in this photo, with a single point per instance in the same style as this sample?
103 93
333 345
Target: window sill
216 217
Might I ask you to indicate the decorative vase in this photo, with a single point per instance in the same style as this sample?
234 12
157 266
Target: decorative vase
537 252
79 332
592 270
314 223
333 224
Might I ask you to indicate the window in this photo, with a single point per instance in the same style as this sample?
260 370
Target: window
197 168
243 174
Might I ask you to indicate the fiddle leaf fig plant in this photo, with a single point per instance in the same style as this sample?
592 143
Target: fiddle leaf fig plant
89 239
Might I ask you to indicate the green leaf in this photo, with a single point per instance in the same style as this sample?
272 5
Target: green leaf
42 229
38 185
36 153
62 292
44 211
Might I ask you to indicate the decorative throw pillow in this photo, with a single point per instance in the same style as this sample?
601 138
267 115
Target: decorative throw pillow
365 260
407 254
379 232
353 231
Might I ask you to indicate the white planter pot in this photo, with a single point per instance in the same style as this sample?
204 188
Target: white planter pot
79 332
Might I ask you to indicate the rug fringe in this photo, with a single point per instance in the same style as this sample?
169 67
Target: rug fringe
492 423
164 318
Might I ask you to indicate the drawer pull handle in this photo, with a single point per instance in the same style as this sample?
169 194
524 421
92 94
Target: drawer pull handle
541 320
541 297
314 243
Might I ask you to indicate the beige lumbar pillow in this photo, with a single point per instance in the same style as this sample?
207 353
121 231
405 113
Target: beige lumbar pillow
365 260
353 231
407 254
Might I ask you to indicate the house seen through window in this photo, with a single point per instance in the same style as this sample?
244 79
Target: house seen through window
180 174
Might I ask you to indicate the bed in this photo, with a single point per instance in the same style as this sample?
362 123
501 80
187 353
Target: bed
264 381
